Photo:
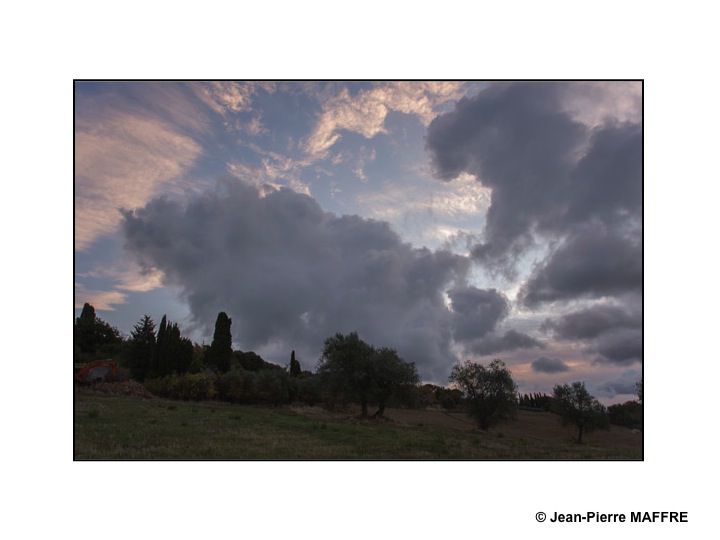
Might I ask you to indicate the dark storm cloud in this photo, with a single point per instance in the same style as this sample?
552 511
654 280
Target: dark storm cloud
549 365
476 311
623 347
549 175
498 343
593 321
289 273
593 262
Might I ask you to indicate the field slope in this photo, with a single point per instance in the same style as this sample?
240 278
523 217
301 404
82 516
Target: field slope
120 427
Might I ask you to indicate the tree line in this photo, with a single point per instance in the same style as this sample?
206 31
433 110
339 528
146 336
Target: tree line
349 371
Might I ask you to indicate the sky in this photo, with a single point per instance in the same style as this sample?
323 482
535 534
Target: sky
450 220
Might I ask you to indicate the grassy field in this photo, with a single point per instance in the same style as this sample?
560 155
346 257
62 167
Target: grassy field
119 427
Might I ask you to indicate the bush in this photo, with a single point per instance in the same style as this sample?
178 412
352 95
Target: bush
307 390
266 386
628 414
449 398
190 386
236 386
272 386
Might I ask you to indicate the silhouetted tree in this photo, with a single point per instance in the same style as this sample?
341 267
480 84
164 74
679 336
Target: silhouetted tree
93 335
160 356
197 364
345 367
185 355
142 348
628 414
295 369
490 391
390 375
220 353
577 407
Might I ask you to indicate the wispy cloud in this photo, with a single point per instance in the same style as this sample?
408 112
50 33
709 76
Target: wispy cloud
225 97
463 197
128 276
101 300
365 112
121 159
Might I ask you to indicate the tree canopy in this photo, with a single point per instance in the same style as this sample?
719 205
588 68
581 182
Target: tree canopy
220 353
142 348
356 369
93 336
295 369
577 407
390 376
490 391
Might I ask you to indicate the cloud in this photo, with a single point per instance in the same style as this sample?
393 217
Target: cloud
511 340
622 347
595 103
549 365
226 97
101 300
476 312
122 158
290 274
365 112
611 331
548 171
128 276
455 200
593 321
593 262
271 175
625 384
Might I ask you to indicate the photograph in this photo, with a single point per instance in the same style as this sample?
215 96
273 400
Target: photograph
358 270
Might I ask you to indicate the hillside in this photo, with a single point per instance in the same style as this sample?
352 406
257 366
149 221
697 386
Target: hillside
124 427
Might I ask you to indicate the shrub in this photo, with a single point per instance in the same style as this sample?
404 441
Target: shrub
308 390
449 398
190 386
272 386
628 414
236 386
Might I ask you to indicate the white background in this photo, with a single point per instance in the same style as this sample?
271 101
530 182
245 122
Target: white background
47 44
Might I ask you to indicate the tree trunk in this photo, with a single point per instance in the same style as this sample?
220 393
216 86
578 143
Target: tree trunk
580 433
363 404
381 410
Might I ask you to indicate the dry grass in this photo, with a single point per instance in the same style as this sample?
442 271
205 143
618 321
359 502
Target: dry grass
124 427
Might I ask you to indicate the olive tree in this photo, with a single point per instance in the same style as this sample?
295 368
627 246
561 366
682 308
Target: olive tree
357 370
489 391
390 375
577 407
345 367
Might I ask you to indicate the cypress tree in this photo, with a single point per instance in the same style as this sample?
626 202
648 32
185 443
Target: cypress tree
85 329
220 352
169 360
158 357
142 347
294 366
